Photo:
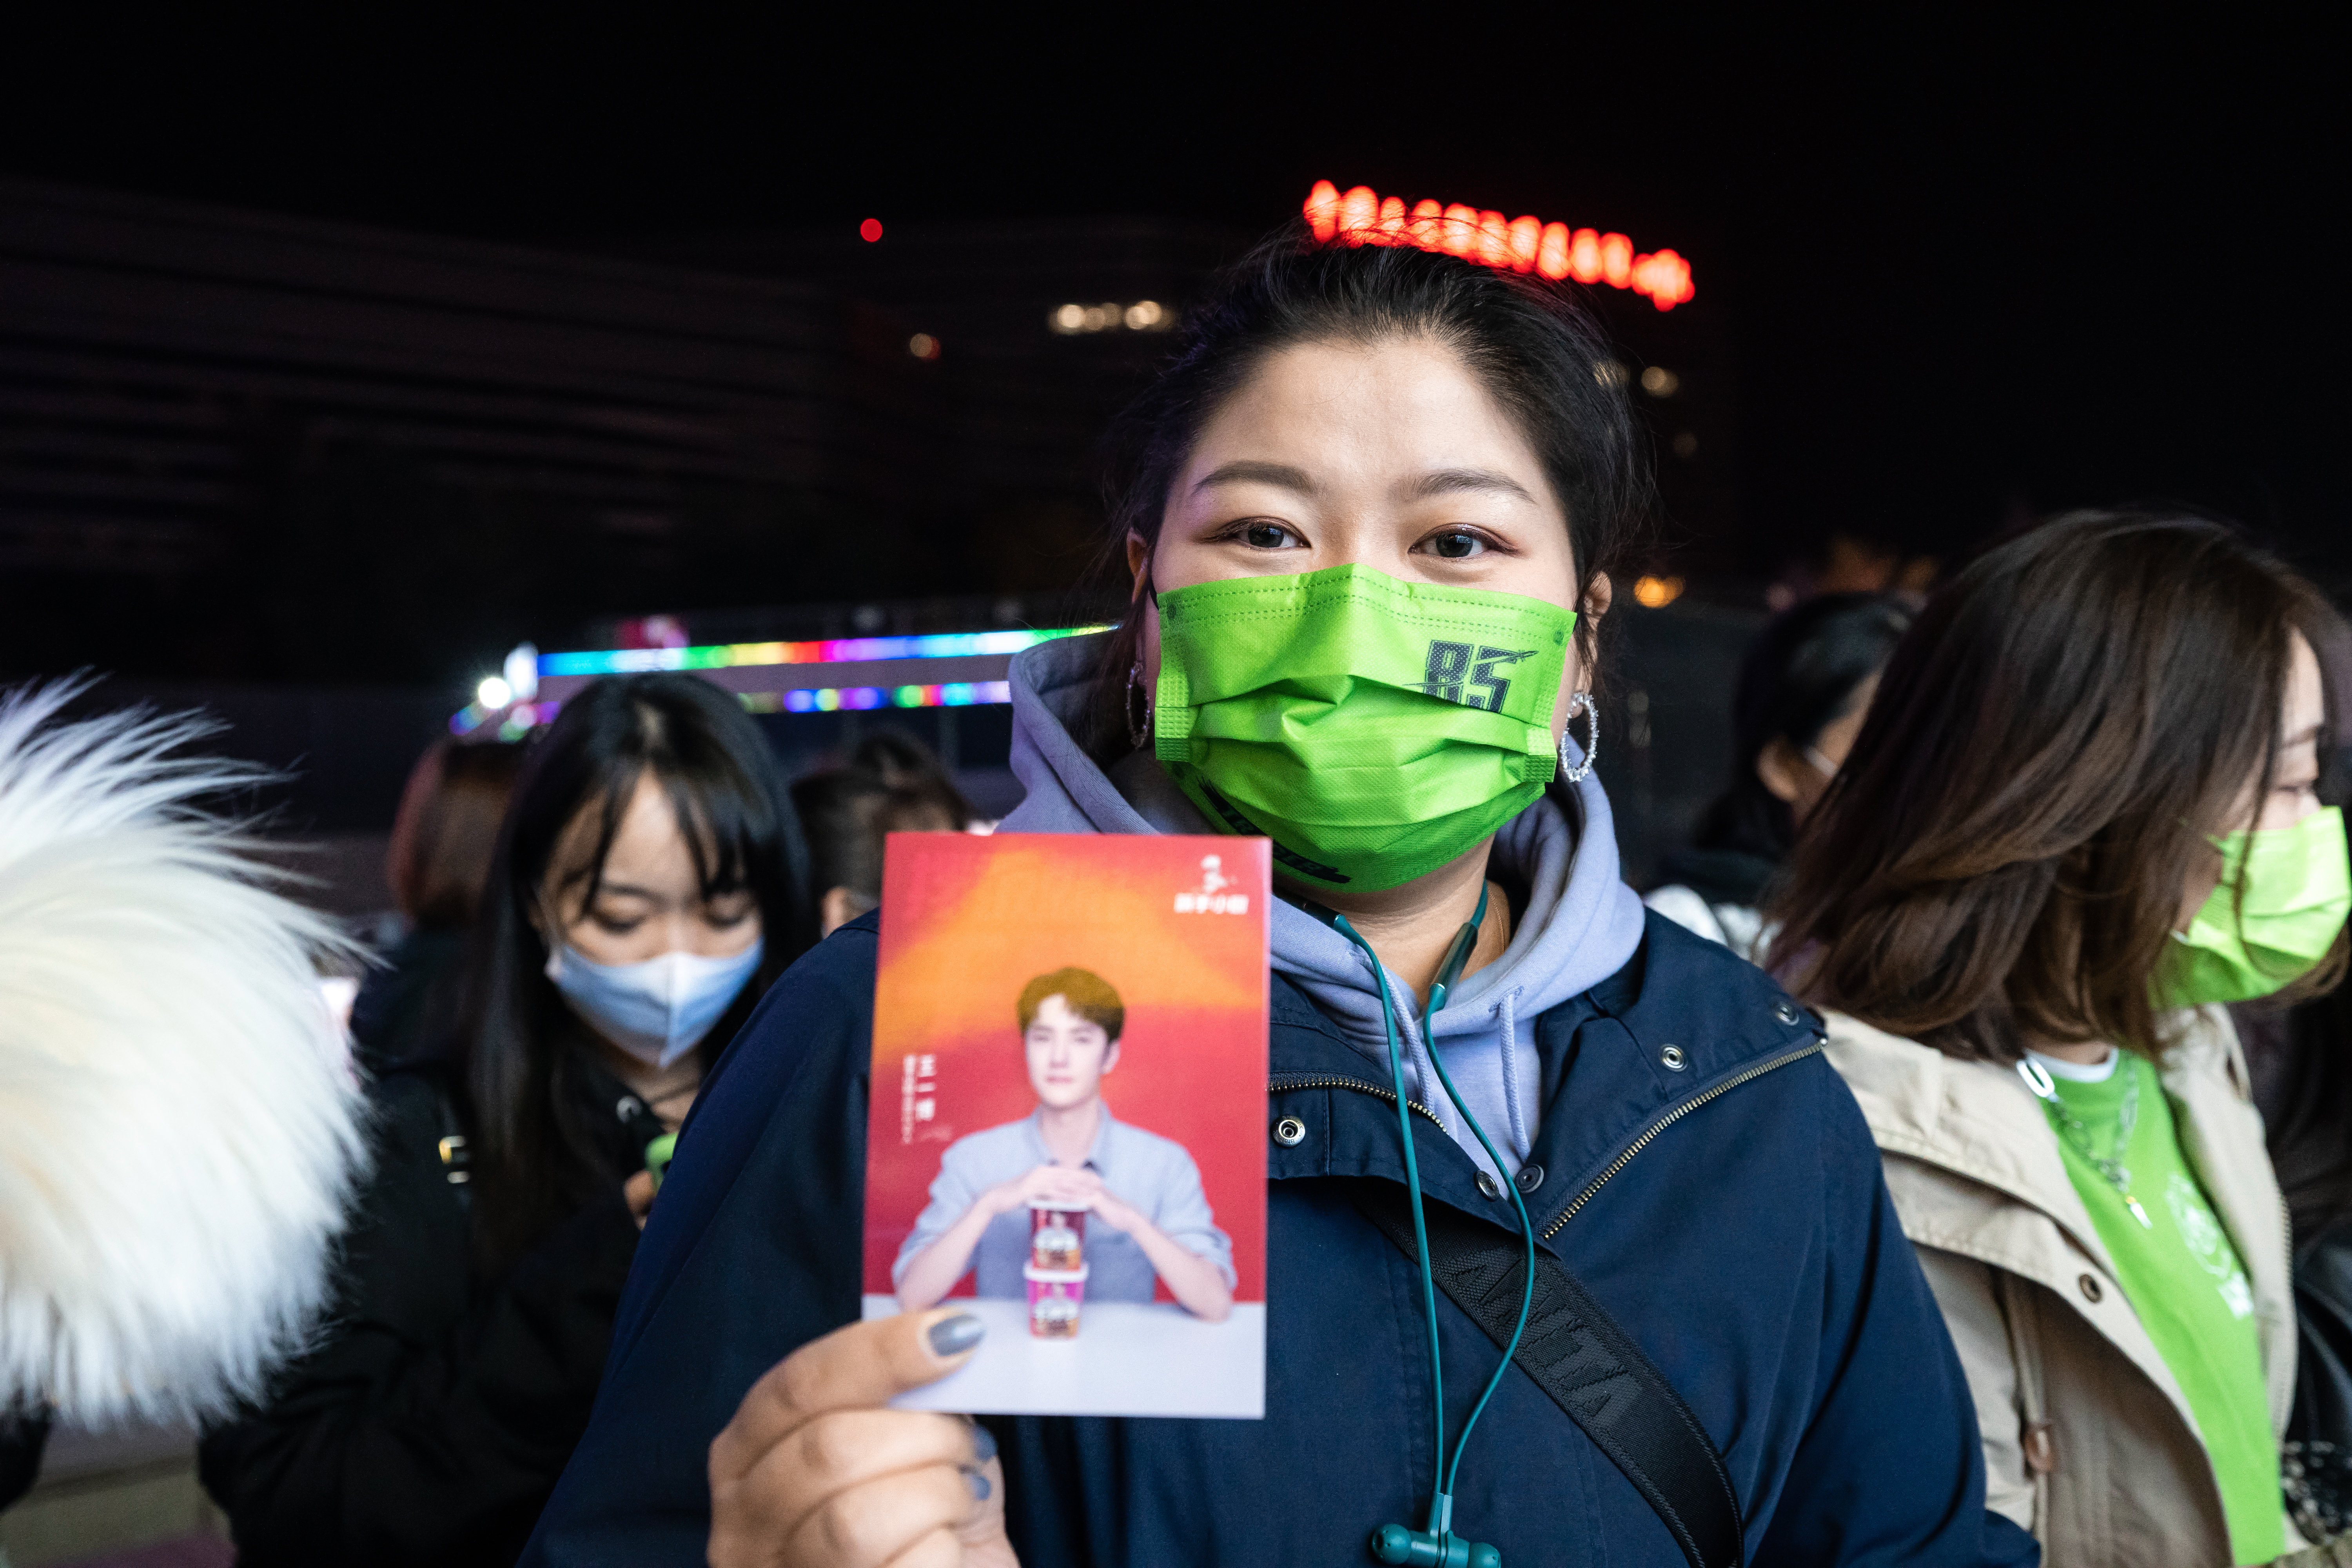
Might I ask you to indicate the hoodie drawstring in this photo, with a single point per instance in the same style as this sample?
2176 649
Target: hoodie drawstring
1424 1070
1522 1141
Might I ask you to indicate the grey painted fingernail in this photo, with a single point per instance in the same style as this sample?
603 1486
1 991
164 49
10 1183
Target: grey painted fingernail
983 1444
953 1336
980 1488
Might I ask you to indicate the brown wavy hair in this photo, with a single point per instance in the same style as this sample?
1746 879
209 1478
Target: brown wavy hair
2001 857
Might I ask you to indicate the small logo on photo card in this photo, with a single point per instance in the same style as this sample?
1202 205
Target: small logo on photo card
1211 897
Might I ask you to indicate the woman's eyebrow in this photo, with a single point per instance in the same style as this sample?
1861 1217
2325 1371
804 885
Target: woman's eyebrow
2308 737
1460 481
1247 470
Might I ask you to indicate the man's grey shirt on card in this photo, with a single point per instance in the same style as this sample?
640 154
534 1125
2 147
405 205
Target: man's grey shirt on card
1152 1173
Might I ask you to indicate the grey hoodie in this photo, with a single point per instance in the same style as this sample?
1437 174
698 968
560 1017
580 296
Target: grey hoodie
1581 925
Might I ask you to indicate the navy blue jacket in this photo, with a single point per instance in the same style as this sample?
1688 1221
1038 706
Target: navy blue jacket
1729 1213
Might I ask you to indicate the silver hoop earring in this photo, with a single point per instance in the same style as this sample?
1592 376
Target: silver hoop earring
1139 729
1582 702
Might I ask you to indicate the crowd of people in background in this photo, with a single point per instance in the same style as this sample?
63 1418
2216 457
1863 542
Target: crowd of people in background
2004 967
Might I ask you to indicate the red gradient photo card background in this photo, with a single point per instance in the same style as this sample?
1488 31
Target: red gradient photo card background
1176 925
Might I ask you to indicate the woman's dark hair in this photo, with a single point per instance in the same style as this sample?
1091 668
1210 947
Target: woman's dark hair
891 784
447 828
1530 343
2001 857
1799 677
536 1147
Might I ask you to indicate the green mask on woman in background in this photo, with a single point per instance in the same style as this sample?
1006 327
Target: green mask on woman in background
2298 889
1373 728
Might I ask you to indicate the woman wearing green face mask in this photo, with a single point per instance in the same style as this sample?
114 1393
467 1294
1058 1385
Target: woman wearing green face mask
1370 508
2081 816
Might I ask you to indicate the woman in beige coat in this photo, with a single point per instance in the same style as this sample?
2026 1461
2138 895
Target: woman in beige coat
2081 814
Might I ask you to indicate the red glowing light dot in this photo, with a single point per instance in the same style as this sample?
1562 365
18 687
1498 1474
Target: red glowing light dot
1323 209
1390 228
1425 228
870 230
1584 256
1494 239
1461 230
1551 253
1617 260
1358 209
1527 233
1670 280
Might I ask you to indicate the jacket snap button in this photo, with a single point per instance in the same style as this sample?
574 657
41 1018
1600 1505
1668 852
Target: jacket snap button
1673 1059
1488 1185
2091 1291
1786 1012
1290 1132
1531 1177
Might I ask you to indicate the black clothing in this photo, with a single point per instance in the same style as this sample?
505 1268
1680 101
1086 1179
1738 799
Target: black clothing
431 1423
404 1008
1719 876
22 1437
2318 1455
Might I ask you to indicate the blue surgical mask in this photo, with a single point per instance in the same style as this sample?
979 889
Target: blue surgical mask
659 1010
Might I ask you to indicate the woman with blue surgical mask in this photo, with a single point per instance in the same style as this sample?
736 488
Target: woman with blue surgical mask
648 885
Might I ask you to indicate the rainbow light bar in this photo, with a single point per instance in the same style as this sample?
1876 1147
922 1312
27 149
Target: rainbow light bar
864 698
523 716
834 651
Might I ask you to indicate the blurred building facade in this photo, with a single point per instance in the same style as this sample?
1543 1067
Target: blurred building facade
318 477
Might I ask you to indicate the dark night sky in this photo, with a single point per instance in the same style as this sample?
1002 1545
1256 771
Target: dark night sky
1968 273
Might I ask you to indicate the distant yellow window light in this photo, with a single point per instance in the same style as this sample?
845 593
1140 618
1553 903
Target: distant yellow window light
1656 593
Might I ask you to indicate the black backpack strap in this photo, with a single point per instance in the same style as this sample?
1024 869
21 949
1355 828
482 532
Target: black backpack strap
1592 1368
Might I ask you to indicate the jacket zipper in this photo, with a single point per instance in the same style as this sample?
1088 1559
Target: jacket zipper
1287 1082
1668 1120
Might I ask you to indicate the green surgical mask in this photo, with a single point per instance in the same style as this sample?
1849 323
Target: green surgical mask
2298 890
1373 728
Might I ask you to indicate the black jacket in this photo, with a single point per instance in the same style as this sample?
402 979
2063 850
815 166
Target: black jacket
431 1422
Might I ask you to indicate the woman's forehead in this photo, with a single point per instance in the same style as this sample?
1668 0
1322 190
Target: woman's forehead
1387 414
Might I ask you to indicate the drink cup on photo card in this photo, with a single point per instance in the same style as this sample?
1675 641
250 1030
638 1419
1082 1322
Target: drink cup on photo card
1058 1236
1069 1083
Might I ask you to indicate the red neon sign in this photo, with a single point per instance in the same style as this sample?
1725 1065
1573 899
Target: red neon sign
1522 245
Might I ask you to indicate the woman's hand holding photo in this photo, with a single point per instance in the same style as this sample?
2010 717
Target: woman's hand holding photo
815 1469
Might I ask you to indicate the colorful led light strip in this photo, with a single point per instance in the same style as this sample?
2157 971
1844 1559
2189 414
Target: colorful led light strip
864 698
835 650
1522 244
524 717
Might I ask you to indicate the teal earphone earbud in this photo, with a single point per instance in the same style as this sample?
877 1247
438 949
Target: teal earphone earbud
1437 1545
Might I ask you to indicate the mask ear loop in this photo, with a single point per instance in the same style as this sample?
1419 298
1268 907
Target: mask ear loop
1391 1543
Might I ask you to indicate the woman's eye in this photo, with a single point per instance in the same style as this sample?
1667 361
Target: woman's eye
727 916
1456 545
619 925
1269 536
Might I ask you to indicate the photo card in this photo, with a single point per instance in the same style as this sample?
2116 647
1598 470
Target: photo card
1068 1117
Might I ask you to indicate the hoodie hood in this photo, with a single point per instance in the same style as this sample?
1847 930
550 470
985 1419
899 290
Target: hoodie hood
1581 925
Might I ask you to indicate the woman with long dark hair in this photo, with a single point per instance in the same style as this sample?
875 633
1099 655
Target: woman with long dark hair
1371 513
2082 817
647 887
